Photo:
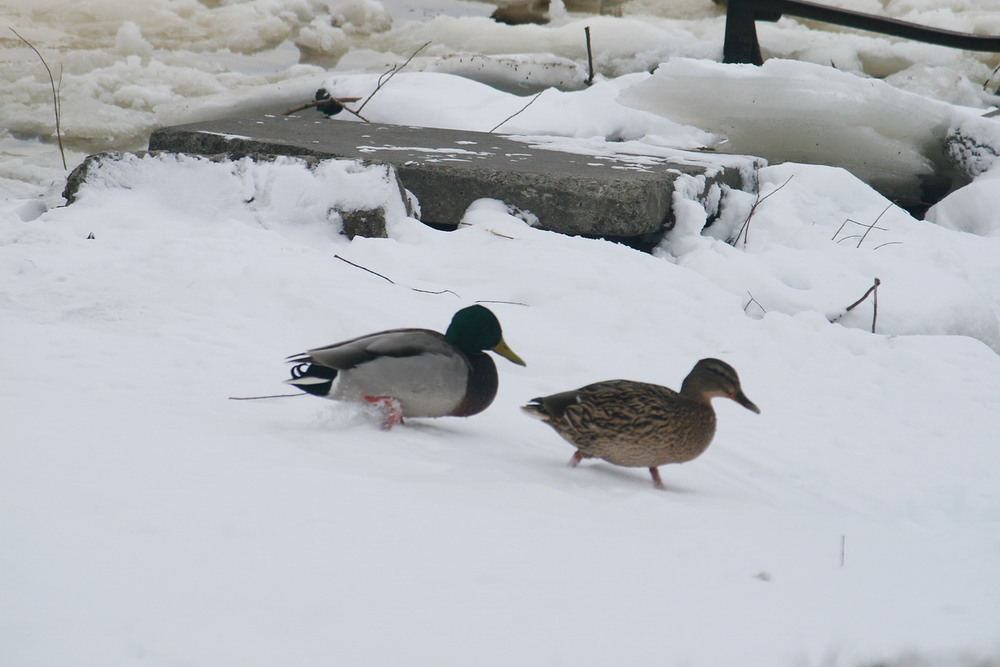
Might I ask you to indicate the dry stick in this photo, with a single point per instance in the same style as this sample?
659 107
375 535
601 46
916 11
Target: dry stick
415 289
384 79
872 226
745 228
364 268
871 290
753 300
990 78
590 58
510 303
390 280
56 105
503 236
864 296
260 398
537 95
875 305
352 111
430 291
853 236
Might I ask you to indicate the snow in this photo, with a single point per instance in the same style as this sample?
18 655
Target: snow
890 138
150 520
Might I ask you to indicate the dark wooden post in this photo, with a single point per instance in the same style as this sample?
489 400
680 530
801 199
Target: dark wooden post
741 44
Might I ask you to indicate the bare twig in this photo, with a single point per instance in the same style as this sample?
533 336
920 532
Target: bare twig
415 289
390 280
509 303
386 76
872 226
752 301
56 104
864 296
875 304
844 224
873 292
590 58
537 95
260 398
990 77
428 291
503 236
745 228
881 245
365 268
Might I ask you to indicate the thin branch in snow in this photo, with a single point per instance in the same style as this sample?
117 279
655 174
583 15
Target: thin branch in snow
364 268
503 236
990 77
416 289
859 224
509 303
753 301
260 398
872 226
873 292
386 76
864 296
56 102
521 110
393 282
427 291
745 227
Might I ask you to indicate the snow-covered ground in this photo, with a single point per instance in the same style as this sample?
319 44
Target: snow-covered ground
149 520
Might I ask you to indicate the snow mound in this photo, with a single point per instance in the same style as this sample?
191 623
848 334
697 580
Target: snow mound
295 196
515 73
788 111
817 238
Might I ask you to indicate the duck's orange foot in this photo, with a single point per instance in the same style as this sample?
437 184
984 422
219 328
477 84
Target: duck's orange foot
392 410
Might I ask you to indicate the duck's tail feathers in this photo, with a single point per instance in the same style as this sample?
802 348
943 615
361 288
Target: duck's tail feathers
312 378
535 409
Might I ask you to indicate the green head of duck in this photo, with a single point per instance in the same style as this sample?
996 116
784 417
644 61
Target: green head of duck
476 328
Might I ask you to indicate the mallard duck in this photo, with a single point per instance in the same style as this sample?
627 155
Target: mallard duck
411 372
637 424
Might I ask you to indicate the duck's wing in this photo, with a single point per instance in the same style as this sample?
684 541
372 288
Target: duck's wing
395 343
603 411
623 402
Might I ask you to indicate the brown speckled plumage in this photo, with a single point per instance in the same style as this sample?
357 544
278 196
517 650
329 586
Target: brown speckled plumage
638 424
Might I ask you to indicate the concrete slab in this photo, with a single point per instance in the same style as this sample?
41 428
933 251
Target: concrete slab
609 196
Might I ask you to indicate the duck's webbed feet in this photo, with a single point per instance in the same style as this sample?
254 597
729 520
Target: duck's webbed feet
392 410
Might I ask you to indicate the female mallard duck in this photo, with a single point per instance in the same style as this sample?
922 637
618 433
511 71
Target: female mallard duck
411 372
638 424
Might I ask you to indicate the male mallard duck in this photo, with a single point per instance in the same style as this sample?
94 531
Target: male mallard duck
638 424
411 372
